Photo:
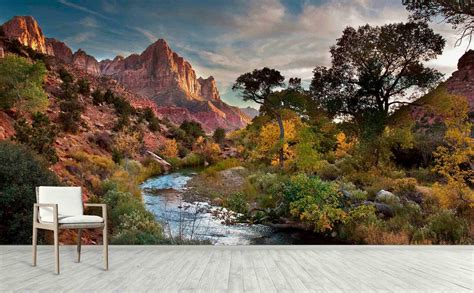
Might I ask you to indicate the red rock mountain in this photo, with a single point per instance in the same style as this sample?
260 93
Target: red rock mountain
461 81
167 78
157 73
26 30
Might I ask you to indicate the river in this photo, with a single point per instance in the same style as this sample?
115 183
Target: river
201 221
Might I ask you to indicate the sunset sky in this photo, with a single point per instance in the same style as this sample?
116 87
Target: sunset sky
220 38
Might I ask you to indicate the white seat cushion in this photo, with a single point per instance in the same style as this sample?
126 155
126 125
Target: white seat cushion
84 219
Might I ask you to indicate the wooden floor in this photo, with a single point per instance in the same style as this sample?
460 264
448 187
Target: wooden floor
242 269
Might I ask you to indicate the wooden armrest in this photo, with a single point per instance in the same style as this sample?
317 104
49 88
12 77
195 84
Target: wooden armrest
103 206
36 207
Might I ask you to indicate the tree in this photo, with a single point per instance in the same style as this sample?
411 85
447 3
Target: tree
453 160
83 86
260 87
219 135
21 170
21 84
193 130
457 13
373 69
39 136
169 149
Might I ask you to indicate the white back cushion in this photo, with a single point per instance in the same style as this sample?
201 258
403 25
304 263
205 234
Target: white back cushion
68 199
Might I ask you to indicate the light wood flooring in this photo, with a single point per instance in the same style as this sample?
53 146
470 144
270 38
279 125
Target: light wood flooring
242 269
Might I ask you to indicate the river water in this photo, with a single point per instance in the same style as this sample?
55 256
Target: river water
201 221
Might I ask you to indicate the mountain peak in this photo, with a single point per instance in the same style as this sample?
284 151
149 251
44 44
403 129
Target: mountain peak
25 29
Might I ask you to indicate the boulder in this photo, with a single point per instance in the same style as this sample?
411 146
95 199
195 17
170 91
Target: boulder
385 196
382 209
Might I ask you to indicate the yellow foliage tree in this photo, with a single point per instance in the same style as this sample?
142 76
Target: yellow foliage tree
170 148
268 145
128 142
344 145
453 160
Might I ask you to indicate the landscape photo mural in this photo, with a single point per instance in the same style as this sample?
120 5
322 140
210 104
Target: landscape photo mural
241 123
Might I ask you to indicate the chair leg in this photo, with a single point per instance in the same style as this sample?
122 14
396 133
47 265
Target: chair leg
56 250
106 248
35 238
79 235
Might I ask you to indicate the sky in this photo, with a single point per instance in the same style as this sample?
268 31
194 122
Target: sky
221 38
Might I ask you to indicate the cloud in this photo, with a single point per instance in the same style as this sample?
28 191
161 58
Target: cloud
148 34
89 22
296 42
80 37
82 8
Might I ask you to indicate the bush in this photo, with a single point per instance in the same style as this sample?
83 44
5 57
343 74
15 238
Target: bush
222 165
219 135
169 149
97 97
70 115
83 86
149 116
237 202
21 84
446 228
21 171
314 201
131 222
65 76
39 136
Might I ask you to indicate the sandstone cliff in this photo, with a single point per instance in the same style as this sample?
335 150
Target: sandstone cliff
461 81
60 50
86 62
26 30
167 78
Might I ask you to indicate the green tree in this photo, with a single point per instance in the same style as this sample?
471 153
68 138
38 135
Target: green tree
21 84
21 170
39 135
83 86
219 135
374 69
193 130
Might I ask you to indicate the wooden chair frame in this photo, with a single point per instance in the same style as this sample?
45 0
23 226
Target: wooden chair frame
55 226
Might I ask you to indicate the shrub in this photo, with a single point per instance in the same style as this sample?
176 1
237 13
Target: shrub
65 76
98 97
192 160
445 227
39 136
153 122
219 135
221 165
314 201
70 115
131 222
21 171
237 202
169 149
83 86
21 84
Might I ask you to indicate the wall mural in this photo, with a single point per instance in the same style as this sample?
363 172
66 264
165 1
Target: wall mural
373 147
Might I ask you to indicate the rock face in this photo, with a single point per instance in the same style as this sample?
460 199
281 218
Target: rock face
26 30
60 50
461 81
167 78
86 62
209 89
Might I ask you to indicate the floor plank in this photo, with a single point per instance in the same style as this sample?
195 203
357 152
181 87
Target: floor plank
242 269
